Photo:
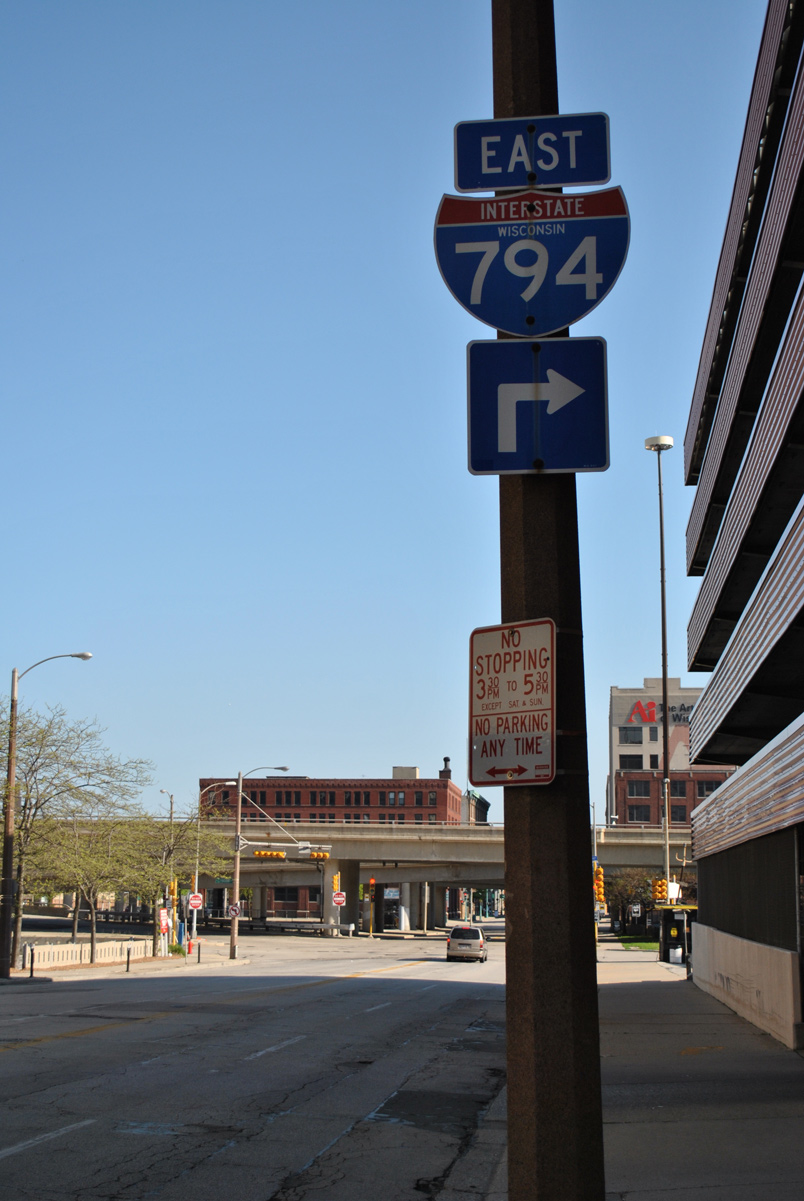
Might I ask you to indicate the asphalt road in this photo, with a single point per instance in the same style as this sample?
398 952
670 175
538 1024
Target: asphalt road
334 1069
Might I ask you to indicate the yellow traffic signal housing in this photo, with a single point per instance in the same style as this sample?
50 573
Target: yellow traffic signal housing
319 854
336 882
269 855
659 890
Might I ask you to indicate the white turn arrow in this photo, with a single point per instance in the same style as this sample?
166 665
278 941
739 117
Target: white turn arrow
557 391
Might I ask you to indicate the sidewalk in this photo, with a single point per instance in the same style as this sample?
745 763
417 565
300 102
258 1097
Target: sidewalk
698 1105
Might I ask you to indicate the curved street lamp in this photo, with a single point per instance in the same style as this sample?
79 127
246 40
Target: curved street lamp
6 920
236 871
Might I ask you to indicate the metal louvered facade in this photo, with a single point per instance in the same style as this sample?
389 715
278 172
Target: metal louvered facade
744 452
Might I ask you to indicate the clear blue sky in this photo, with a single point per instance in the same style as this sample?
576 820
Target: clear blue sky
234 430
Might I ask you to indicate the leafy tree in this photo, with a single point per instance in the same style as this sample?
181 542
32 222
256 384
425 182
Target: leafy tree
62 764
160 850
85 850
630 886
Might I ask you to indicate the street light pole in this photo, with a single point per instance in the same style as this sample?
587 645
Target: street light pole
234 920
658 444
9 801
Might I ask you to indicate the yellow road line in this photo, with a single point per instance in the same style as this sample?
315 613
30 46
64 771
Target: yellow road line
165 1013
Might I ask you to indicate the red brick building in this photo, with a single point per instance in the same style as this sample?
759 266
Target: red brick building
405 798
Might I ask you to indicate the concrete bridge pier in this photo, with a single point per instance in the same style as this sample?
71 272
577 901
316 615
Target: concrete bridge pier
415 906
437 915
258 901
350 884
404 906
330 914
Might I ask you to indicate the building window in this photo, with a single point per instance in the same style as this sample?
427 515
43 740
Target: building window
278 798
224 798
357 798
262 817
347 798
366 817
382 798
297 798
401 817
654 762
639 787
288 895
678 788
707 787
630 763
366 798
382 817
431 817
631 734
313 797
400 798
332 798
678 813
417 817
431 798
418 798
347 817
392 798
331 817
654 733
639 813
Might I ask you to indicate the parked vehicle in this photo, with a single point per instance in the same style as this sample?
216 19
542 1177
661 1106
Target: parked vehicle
467 942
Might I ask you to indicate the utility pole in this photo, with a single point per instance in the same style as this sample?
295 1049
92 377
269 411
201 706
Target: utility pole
555 1134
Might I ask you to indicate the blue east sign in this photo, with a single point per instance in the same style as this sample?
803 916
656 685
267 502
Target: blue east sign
537 406
534 262
571 150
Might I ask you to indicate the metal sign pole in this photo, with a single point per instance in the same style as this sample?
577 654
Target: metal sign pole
555 1139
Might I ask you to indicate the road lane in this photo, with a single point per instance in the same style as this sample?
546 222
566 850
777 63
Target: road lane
311 1066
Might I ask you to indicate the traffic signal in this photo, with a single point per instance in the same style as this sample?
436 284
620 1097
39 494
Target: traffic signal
659 890
600 897
269 854
173 887
336 882
319 854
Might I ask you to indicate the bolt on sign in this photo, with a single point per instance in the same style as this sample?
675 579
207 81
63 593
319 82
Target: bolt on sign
512 732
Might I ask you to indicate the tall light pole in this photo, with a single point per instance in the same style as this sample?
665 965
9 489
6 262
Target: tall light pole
658 444
236 872
6 920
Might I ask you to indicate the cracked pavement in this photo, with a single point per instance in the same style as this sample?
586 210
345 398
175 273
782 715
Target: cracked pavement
318 1068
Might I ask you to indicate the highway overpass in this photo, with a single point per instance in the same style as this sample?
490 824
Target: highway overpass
443 856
